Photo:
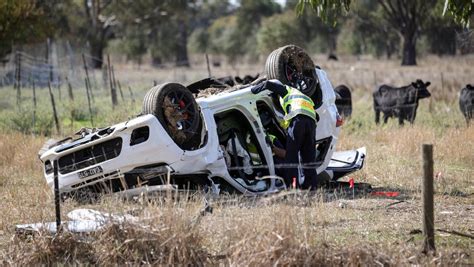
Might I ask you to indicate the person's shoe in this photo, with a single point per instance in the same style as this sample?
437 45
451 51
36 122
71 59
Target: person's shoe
252 185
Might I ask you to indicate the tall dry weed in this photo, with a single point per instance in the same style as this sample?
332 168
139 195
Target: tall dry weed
168 237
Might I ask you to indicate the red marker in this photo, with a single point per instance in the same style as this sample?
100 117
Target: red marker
386 194
351 183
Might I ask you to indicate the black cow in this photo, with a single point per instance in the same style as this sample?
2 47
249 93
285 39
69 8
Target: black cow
399 102
343 100
247 79
466 102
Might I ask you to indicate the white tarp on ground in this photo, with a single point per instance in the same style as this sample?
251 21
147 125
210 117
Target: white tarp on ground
80 221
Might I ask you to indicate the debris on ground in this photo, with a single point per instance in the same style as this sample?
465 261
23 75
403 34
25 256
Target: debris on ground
80 221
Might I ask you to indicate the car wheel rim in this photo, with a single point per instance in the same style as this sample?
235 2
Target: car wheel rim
297 78
180 113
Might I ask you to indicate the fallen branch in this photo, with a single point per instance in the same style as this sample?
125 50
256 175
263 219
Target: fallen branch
394 203
455 233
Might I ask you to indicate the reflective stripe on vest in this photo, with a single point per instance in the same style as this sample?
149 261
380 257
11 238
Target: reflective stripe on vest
299 104
272 137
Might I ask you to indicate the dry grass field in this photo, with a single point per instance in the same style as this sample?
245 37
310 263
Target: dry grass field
326 228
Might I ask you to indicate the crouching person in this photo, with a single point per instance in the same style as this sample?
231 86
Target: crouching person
300 121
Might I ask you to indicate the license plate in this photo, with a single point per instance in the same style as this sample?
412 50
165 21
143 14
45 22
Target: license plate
89 172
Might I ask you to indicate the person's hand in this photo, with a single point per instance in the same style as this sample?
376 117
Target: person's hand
279 152
258 88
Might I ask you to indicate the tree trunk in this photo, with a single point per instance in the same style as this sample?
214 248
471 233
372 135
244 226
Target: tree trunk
332 42
156 61
409 50
182 45
388 49
97 53
388 53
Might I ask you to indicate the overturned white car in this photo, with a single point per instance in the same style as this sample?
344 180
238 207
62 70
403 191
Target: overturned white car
218 141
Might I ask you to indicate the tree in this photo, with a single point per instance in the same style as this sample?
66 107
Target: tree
328 10
22 21
279 30
248 18
221 36
369 31
461 10
206 13
315 30
235 35
94 19
405 16
181 12
163 25
441 32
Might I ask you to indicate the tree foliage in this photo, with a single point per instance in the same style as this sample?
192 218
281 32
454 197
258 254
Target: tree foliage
22 21
328 10
461 10
279 30
238 29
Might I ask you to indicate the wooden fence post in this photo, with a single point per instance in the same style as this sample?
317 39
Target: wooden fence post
15 84
87 74
120 90
131 94
112 89
18 81
71 101
69 90
116 84
56 120
428 206
59 88
114 81
208 66
57 200
105 76
51 78
34 105
89 102
90 90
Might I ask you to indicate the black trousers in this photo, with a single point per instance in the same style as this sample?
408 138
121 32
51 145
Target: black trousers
301 141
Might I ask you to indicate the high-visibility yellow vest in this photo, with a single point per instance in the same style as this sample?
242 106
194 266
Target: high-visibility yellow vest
253 151
272 137
299 104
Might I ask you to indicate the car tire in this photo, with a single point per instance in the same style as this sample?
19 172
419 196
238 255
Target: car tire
289 61
176 109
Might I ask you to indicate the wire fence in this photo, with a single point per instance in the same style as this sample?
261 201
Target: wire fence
61 65
65 61
25 68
